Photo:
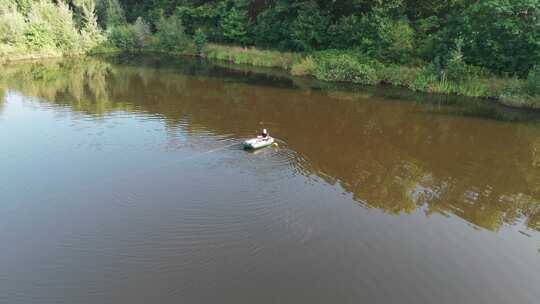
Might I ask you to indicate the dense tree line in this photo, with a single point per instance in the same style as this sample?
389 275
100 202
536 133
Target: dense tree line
501 35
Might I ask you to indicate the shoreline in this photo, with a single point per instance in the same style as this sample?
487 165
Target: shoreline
294 65
492 89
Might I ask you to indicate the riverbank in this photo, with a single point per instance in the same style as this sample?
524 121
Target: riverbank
12 54
339 66
345 66
15 55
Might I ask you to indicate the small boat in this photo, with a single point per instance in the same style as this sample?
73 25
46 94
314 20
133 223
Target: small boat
261 141
257 143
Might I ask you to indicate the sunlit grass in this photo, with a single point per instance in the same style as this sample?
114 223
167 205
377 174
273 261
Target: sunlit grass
251 56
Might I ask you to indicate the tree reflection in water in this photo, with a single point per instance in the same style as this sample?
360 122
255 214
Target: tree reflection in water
395 156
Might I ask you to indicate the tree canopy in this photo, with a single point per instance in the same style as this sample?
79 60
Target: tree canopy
501 35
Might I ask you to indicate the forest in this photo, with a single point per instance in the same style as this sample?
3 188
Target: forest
485 48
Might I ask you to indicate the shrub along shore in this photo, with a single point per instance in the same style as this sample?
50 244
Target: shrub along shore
494 55
351 66
340 66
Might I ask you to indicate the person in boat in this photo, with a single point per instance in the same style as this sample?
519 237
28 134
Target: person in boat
264 135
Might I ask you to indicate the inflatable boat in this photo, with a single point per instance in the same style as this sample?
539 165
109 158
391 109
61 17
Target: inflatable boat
257 143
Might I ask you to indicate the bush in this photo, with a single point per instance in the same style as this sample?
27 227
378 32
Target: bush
90 33
234 26
533 81
251 56
397 40
48 27
424 79
170 34
52 25
500 35
304 67
456 68
399 75
336 66
308 31
130 36
110 13
141 31
12 27
200 40
37 37
123 37
272 26
7 6
348 31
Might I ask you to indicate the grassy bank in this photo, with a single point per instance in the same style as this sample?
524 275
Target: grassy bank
341 66
251 56
368 49
348 66
9 53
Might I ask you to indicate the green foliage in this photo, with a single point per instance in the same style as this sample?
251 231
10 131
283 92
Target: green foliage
303 68
423 79
123 37
24 6
271 28
336 66
308 31
200 40
234 26
110 13
131 37
52 25
91 34
47 27
141 32
533 81
397 40
452 47
206 16
350 31
457 69
400 75
12 26
501 35
170 34
251 56
7 6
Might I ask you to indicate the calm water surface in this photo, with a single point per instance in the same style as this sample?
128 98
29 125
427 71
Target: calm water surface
123 181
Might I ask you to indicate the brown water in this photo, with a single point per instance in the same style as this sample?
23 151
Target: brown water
123 181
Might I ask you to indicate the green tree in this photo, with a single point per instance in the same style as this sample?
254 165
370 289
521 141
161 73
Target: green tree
272 27
141 31
502 35
52 26
308 31
171 35
234 26
533 81
91 33
12 24
396 39
110 13
200 40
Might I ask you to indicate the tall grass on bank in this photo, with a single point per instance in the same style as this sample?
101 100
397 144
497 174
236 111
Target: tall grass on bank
251 56
455 78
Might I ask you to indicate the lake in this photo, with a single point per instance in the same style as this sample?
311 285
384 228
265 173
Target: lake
123 180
